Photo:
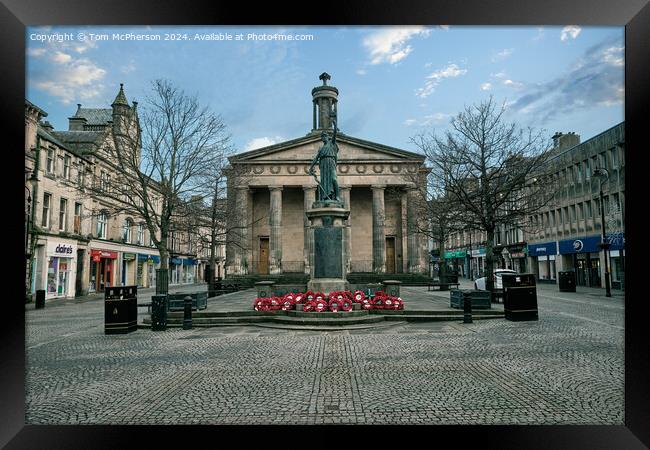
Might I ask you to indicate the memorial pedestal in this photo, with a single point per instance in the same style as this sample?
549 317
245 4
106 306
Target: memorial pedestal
327 256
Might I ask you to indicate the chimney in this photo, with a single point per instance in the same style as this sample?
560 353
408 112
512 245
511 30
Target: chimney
47 126
76 122
563 142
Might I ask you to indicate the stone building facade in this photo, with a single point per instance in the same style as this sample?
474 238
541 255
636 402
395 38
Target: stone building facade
569 231
270 190
74 245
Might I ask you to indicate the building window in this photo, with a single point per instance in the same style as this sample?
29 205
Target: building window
101 225
602 160
63 214
126 231
551 216
588 209
50 161
81 175
66 167
47 201
140 236
613 157
572 211
77 218
580 216
566 215
578 173
587 169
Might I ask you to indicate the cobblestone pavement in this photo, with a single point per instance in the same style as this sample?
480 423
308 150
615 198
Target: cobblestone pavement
566 368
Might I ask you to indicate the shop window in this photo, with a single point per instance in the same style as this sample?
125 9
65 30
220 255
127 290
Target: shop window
47 201
63 214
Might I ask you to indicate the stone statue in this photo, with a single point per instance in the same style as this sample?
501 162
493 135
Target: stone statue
328 186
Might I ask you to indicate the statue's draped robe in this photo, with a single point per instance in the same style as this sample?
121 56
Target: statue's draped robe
327 164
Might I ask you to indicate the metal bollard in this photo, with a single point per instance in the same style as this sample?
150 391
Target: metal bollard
187 317
467 309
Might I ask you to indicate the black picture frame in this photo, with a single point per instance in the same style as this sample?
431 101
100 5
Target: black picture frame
15 15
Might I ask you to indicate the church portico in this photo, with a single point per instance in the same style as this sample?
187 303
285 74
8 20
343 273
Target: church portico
375 183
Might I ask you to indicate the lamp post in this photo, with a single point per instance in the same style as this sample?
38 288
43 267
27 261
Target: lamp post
603 175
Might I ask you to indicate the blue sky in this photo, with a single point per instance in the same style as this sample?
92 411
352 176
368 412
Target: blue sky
393 82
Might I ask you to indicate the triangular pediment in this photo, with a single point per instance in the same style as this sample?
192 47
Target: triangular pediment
304 149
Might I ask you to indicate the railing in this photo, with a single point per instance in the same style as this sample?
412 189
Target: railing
253 267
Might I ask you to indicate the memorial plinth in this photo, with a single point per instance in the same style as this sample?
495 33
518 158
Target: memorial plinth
328 266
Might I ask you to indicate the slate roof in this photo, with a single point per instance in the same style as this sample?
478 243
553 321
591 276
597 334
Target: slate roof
95 116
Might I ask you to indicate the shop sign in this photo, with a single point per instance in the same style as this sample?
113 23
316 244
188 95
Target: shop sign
128 256
478 252
457 254
61 250
548 248
97 255
177 261
518 255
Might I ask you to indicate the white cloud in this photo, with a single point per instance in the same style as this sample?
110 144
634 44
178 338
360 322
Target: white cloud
539 35
499 75
614 56
451 71
262 142
503 54
74 79
36 52
427 65
486 86
61 58
430 119
514 84
361 72
391 45
570 31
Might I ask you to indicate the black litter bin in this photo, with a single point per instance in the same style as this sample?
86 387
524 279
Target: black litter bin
567 281
40 299
158 312
120 309
519 296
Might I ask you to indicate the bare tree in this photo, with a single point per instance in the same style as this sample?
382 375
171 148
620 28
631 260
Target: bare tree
494 171
160 166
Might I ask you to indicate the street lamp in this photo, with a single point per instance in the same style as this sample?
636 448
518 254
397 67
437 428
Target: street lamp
604 175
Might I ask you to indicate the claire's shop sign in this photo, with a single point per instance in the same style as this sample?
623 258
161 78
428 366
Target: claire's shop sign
61 250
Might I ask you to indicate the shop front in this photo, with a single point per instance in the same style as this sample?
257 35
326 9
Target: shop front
61 269
102 269
175 270
477 262
129 269
456 260
189 270
146 269
543 260
586 258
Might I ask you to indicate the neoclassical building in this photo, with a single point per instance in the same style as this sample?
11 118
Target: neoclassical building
270 189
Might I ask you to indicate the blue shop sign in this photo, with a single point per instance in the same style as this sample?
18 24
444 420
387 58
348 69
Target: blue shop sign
177 261
548 248
193 262
590 244
145 258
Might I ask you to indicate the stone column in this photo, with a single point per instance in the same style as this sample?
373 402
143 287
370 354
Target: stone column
378 230
309 198
241 249
412 236
275 241
347 231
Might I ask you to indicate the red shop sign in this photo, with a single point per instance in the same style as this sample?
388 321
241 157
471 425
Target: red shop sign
98 254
